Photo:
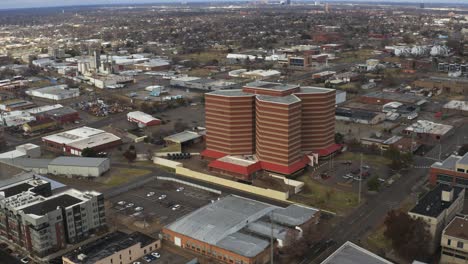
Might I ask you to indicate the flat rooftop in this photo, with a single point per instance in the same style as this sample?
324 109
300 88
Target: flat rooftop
108 245
350 253
182 137
289 99
270 86
400 97
43 207
457 228
77 161
428 127
237 161
233 93
431 204
314 90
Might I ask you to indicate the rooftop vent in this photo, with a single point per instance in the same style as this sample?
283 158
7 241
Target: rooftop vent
447 195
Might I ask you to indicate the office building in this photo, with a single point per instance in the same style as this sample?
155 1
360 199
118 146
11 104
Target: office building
452 171
275 125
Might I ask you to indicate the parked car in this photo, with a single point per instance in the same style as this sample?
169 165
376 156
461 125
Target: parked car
147 259
176 207
180 189
25 260
346 162
136 262
139 209
162 197
129 205
121 203
156 254
348 176
149 194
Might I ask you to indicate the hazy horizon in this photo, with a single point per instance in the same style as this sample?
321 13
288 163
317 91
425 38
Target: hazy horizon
8 4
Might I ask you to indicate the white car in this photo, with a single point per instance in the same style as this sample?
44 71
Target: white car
175 207
139 209
180 189
162 197
121 203
137 262
149 194
129 205
348 176
156 254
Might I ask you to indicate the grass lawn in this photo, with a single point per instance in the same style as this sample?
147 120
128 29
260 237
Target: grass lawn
205 57
171 148
377 241
373 159
355 56
199 72
325 197
122 175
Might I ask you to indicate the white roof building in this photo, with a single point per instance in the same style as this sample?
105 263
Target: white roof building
15 118
75 140
56 93
143 119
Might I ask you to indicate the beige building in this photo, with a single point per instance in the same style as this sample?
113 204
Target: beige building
114 248
454 242
437 208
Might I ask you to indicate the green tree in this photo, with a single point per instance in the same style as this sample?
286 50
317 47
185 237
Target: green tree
339 138
88 152
399 160
463 150
410 237
373 184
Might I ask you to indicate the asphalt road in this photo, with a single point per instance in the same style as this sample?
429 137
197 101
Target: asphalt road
369 214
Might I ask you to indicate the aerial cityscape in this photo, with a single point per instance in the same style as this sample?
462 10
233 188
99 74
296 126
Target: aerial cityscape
243 132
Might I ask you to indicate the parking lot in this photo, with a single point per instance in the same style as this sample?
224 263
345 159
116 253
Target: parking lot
346 173
161 202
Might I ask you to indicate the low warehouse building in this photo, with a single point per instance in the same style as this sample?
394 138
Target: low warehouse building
79 166
142 119
238 230
55 93
72 142
69 166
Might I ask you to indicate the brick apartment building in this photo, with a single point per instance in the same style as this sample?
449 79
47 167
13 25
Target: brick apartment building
42 223
274 126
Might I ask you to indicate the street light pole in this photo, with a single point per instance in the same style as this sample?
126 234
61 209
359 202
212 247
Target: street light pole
360 181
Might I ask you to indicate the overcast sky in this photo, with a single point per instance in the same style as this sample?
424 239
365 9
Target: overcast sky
7 4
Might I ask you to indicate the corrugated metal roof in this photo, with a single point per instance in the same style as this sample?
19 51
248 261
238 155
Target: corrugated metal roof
350 253
78 161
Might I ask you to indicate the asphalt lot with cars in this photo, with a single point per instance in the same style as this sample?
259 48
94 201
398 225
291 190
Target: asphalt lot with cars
162 201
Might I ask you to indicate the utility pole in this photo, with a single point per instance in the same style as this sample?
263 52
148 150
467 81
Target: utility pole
360 181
